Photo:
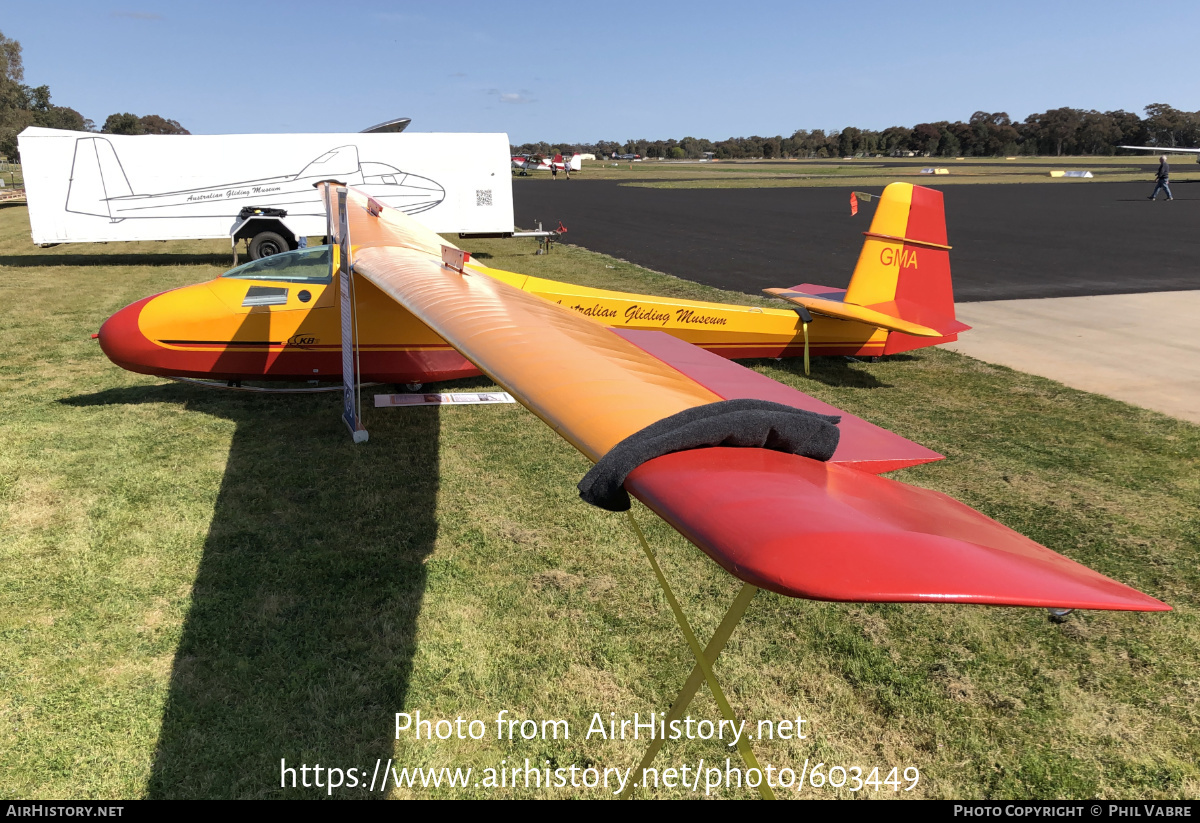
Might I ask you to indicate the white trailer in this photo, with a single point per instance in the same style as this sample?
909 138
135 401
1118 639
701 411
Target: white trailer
84 187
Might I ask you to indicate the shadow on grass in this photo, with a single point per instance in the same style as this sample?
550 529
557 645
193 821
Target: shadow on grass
300 637
34 261
832 371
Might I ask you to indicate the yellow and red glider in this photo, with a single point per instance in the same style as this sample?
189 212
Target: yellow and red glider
278 319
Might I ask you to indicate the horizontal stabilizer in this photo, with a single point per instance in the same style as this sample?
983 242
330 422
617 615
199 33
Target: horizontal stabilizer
822 531
828 292
922 315
857 314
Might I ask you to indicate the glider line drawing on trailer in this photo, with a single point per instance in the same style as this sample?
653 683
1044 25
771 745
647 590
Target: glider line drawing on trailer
100 187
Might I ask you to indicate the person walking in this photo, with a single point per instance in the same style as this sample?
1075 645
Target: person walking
1162 179
553 170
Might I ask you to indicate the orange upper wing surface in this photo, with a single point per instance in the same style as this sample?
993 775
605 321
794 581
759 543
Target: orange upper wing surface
591 386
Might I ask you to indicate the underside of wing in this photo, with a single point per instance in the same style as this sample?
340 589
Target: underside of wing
831 531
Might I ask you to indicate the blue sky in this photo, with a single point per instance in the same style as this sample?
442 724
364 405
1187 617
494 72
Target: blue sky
605 71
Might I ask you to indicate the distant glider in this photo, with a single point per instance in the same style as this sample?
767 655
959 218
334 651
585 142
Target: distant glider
1162 150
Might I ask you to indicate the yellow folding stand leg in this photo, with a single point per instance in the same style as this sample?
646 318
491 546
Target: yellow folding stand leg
806 371
702 672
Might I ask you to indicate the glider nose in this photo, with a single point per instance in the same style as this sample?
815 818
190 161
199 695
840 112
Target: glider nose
421 194
121 339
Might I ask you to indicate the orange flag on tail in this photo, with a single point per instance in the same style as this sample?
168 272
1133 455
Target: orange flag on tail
855 196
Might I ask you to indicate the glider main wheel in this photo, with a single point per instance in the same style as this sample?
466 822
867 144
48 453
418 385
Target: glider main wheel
266 243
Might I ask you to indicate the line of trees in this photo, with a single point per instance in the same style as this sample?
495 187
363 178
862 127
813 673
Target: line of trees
126 123
22 106
985 134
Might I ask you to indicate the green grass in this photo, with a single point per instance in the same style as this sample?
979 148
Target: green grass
195 584
873 171
12 175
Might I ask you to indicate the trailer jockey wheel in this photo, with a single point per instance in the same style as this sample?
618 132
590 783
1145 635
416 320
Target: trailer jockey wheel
266 243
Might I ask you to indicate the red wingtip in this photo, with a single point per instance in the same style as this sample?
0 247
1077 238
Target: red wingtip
828 532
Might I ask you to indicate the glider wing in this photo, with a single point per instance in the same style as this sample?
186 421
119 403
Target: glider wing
780 521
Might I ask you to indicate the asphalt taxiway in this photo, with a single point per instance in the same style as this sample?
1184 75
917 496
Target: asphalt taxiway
1086 283
1011 241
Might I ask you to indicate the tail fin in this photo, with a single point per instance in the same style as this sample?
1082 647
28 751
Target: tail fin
96 177
576 162
904 267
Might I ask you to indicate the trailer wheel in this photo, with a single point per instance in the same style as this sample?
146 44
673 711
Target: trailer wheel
266 243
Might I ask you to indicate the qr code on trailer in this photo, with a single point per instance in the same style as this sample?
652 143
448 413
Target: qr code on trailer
483 197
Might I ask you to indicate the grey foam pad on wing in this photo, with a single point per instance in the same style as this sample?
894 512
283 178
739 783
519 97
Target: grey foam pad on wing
746 423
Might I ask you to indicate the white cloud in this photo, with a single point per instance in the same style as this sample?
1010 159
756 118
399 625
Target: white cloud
514 97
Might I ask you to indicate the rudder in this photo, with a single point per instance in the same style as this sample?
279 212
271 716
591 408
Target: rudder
904 267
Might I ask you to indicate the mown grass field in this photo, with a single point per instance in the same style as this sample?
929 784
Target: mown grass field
870 171
195 584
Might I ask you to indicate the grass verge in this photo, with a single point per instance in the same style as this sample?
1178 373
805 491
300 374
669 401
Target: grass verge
196 584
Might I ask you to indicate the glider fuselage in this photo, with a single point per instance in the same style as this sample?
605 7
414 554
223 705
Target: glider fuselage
269 321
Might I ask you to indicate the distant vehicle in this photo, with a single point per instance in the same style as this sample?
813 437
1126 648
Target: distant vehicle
616 156
1162 150
525 163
